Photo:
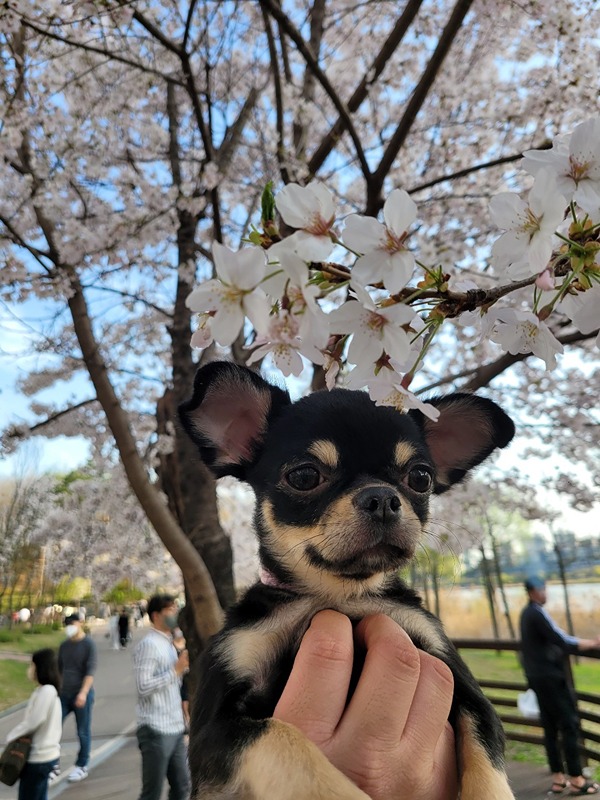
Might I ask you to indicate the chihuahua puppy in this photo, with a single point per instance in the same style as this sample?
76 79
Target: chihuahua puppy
342 493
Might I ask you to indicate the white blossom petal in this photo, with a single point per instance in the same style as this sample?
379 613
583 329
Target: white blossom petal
399 211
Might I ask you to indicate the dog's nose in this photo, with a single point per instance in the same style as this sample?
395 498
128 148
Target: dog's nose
381 503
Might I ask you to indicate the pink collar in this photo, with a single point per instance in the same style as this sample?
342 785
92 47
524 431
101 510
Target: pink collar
267 578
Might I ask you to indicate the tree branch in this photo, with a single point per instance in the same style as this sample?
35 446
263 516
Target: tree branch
98 51
235 131
374 201
157 34
360 93
475 168
279 119
296 37
59 414
201 591
485 374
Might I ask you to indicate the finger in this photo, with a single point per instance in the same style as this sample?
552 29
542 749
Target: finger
430 706
391 670
445 768
317 689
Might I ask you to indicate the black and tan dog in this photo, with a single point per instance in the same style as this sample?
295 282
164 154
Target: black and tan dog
342 489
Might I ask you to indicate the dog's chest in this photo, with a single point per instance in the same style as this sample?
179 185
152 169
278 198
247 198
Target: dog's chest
254 653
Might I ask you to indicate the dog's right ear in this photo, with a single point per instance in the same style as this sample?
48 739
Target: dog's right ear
228 415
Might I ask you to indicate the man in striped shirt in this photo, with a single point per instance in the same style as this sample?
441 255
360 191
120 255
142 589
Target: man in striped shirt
159 669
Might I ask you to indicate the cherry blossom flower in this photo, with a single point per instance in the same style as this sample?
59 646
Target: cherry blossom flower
203 335
331 366
284 344
522 332
287 269
526 246
385 389
385 256
234 295
545 280
312 210
291 280
373 329
575 161
583 309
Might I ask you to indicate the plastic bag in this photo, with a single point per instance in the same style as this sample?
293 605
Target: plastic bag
528 705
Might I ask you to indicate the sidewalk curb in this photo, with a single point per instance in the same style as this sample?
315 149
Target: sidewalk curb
98 757
12 709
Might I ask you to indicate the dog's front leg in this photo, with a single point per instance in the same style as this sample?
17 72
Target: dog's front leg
282 763
272 760
478 775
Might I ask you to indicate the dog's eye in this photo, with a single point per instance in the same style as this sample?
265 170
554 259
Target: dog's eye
419 479
304 478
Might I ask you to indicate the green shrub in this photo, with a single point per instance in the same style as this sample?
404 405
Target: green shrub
39 627
10 636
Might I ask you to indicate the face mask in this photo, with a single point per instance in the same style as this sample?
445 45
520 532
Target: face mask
70 631
31 674
170 621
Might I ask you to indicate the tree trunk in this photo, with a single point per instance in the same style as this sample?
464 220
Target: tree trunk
202 595
563 579
489 591
498 574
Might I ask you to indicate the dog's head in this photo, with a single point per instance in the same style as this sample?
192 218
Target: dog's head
342 485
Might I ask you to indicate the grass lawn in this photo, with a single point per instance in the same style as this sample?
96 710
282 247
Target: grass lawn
504 666
14 683
18 640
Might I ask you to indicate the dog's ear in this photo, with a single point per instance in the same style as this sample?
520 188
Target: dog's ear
467 431
228 415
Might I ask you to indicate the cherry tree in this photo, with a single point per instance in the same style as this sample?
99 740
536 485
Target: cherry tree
24 502
137 145
95 529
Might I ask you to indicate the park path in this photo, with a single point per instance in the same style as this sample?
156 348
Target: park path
115 760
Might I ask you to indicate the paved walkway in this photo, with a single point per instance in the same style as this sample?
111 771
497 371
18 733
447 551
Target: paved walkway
119 777
115 760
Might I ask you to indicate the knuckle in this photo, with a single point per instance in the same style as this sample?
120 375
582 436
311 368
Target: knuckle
441 669
328 648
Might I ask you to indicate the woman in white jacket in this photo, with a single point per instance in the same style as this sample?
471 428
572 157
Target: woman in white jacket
43 719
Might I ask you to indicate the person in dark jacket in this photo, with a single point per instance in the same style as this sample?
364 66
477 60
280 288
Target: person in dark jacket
77 661
545 649
123 624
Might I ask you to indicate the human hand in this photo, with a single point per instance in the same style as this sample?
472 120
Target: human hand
588 644
80 700
392 739
183 662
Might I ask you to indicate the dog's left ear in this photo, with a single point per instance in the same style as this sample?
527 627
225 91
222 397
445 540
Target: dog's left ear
467 431
228 415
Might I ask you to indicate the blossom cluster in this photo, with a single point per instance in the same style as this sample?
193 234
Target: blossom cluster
367 320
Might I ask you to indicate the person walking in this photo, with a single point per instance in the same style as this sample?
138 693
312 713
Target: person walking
113 630
159 670
123 627
43 719
77 661
545 648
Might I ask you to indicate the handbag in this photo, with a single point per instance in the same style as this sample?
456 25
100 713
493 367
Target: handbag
14 758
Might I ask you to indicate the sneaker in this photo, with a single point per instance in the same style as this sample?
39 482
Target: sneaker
77 774
54 774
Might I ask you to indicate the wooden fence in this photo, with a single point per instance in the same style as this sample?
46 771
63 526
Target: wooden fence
520 729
